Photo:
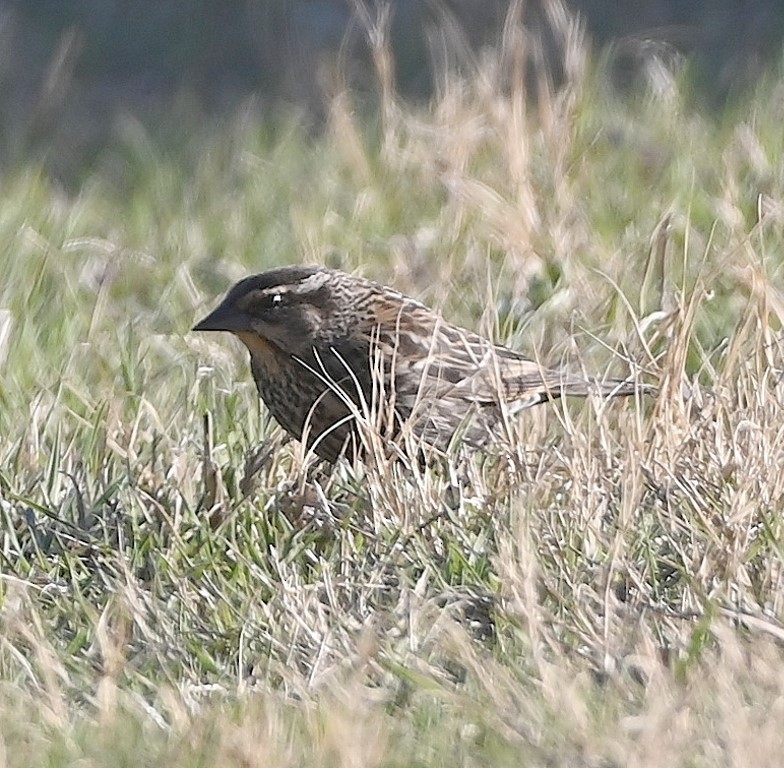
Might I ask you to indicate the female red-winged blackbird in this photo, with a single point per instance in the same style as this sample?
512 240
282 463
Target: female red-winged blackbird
329 351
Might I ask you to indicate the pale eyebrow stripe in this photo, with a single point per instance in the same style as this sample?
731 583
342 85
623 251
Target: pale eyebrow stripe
310 283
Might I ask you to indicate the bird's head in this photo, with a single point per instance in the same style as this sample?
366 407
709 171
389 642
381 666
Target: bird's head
294 308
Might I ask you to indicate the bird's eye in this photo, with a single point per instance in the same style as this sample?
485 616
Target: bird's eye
277 299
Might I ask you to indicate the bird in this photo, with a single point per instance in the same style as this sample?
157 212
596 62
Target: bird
331 351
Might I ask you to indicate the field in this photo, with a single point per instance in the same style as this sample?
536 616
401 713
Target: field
181 587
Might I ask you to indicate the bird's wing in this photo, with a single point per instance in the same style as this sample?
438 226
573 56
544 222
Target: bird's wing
430 359
463 365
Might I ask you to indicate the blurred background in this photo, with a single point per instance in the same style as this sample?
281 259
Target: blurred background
72 72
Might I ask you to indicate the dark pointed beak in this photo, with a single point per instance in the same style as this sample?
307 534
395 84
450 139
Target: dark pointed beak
224 318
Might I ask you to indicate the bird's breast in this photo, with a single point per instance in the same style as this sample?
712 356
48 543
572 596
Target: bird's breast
263 353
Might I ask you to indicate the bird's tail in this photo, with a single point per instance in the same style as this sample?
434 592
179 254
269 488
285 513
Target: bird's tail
576 387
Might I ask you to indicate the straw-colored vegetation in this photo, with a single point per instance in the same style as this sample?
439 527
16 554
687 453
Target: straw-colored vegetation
604 590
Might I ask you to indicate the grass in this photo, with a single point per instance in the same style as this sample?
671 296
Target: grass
605 590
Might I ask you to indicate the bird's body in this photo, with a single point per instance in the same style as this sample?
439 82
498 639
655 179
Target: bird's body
328 349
